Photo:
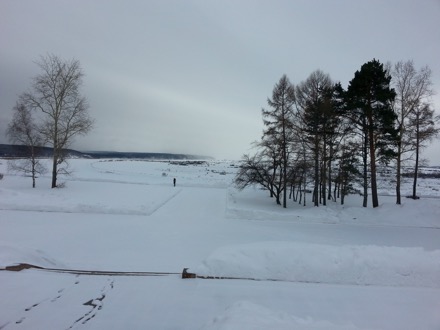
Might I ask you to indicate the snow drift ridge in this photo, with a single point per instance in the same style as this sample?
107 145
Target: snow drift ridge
316 263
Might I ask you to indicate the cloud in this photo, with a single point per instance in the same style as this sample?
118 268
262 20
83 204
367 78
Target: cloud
193 76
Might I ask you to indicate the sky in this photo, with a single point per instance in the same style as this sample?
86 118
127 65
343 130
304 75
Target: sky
192 76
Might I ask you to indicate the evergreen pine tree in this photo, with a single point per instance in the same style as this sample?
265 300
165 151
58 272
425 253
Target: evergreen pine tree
369 98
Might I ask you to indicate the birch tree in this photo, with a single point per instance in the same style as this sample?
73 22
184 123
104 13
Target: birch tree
413 89
55 93
425 129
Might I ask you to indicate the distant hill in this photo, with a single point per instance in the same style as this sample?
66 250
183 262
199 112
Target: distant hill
9 150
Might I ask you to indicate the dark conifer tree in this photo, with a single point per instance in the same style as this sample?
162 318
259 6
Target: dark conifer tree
369 99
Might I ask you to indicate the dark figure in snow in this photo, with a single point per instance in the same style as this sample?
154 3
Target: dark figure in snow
174 182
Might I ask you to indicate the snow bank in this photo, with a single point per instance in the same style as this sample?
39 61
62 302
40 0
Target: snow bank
244 315
254 204
88 197
11 256
316 263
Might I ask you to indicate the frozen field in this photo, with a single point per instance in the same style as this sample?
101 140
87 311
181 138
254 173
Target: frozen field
330 267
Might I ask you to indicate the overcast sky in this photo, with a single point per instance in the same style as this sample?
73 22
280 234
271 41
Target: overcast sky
192 76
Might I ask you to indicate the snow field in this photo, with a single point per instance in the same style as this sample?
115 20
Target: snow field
338 267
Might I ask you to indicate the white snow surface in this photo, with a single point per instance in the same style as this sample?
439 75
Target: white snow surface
345 264
247 315
331 267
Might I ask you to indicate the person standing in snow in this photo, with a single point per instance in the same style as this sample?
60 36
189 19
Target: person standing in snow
174 181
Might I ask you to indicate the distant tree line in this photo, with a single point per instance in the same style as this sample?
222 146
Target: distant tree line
324 140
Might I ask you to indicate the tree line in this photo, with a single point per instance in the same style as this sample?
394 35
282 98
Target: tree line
322 139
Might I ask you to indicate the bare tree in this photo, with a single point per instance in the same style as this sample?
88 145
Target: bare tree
56 94
413 87
258 170
24 131
278 122
271 155
425 128
313 99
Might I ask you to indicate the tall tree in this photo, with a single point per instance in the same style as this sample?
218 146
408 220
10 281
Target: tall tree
56 93
413 87
337 131
369 98
23 130
348 171
313 98
426 128
278 122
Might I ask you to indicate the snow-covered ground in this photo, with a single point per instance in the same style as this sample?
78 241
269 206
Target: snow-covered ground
334 267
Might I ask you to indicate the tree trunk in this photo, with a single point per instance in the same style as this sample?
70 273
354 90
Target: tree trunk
416 171
342 188
372 150
284 159
55 157
398 172
285 180
273 179
304 188
280 187
54 172
364 156
374 197
316 178
399 157
298 191
329 196
324 173
33 164
416 168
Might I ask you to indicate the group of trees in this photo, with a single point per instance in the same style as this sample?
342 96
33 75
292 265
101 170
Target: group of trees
50 114
319 135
